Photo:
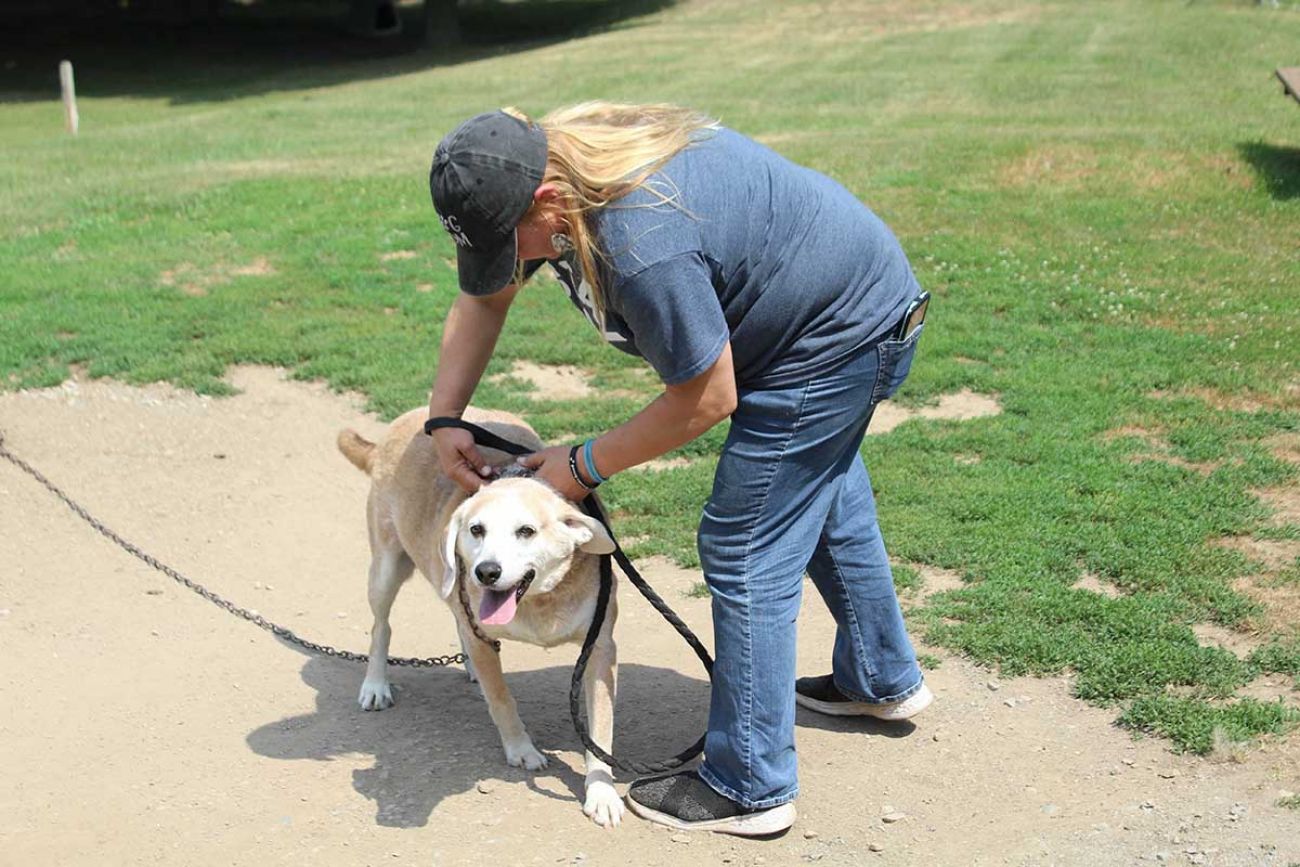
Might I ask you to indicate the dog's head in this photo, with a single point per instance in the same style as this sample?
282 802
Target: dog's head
516 536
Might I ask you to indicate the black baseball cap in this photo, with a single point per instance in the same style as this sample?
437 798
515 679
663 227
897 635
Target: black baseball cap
483 178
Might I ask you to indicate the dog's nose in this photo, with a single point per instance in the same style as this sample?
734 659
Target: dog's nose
488 572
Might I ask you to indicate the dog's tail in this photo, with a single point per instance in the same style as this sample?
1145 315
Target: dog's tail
357 449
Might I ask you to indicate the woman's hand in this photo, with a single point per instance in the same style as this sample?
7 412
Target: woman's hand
460 458
468 337
552 467
679 415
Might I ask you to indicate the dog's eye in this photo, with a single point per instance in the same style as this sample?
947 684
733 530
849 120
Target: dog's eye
526 532
476 530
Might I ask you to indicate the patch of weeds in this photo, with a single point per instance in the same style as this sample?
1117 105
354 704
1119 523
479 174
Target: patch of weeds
1120 648
1195 726
1278 657
1277 532
699 590
1290 803
928 661
1284 577
906 578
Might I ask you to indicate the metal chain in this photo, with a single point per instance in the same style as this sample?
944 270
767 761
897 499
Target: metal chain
469 615
251 616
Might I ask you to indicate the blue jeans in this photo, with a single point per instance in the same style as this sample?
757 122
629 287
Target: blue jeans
791 495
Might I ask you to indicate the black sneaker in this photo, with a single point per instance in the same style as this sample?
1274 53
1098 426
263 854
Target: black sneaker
687 803
821 694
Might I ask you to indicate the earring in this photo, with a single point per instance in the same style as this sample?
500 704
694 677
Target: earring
561 243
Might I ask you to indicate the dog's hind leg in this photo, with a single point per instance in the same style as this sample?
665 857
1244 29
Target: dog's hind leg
389 567
600 685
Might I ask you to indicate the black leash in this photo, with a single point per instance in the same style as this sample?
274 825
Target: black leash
589 505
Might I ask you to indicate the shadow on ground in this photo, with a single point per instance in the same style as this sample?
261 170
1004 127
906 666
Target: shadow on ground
438 740
855 725
233 57
1277 166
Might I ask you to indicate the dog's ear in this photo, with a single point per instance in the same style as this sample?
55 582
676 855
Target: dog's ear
450 559
588 534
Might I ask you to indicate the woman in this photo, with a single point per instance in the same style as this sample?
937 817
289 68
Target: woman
756 289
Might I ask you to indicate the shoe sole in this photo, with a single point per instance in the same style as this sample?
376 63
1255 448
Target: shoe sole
770 821
860 708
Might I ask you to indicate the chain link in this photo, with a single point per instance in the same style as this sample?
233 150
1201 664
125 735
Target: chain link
253 617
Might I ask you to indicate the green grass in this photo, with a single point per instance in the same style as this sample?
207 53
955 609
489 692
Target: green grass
1103 197
1279 657
1197 727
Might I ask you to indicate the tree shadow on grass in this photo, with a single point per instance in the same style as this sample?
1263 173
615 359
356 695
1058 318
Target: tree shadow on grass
1278 166
438 740
233 57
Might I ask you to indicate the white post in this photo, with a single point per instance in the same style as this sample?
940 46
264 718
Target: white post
69 95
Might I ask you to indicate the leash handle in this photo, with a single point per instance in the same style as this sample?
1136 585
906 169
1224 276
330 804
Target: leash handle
482 435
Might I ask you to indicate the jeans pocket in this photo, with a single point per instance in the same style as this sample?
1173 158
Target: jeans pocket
895 363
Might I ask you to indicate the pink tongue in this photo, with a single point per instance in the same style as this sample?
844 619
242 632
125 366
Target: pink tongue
497 607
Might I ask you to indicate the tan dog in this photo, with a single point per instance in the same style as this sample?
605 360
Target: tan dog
524 557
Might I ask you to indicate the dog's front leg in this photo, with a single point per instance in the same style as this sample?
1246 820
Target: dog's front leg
600 685
519 748
464 648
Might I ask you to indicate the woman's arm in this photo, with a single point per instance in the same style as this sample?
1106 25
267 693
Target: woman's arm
468 338
679 415
674 418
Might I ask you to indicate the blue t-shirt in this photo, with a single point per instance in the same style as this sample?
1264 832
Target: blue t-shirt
752 248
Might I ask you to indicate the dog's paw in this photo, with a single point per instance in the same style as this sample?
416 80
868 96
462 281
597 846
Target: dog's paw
525 755
603 805
375 695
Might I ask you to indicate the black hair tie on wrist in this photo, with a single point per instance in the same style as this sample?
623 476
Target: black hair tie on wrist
573 470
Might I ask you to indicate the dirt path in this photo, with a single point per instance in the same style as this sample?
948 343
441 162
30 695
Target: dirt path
139 724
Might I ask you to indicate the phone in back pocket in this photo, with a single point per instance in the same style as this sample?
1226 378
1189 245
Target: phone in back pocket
913 316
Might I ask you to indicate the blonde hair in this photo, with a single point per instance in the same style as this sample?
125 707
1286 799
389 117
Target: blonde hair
597 153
